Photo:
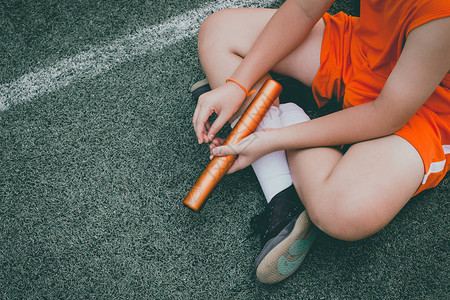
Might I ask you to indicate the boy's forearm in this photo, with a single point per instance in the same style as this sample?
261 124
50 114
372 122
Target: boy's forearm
421 67
286 30
348 126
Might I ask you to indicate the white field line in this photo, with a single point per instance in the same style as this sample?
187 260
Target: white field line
97 60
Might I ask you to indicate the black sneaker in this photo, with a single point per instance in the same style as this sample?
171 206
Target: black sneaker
286 236
200 87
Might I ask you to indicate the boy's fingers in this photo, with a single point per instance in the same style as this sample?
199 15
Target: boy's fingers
225 150
216 125
205 131
198 132
237 165
211 147
200 123
217 141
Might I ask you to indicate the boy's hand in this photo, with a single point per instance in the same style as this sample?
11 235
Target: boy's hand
249 149
224 101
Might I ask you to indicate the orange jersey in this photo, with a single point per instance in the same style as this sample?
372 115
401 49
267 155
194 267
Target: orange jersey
378 40
358 55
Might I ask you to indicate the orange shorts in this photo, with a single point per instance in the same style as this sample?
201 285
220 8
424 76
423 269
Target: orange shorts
344 75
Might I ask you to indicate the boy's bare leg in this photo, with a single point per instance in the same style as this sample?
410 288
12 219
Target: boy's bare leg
355 195
226 37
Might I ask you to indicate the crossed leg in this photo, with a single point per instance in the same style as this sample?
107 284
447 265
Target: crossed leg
355 195
347 196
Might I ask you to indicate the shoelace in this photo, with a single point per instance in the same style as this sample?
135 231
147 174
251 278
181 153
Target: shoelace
260 223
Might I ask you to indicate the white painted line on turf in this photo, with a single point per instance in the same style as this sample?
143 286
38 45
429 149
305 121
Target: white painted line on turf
97 60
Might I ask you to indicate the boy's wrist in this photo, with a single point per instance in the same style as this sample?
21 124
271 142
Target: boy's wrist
236 89
271 137
242 87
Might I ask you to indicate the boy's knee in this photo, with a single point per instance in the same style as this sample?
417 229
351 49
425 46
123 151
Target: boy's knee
211 25
339 220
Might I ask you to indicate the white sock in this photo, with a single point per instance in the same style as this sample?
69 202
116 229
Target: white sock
272 170
291 113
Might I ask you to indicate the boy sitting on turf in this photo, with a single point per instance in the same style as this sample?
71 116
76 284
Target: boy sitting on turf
388 68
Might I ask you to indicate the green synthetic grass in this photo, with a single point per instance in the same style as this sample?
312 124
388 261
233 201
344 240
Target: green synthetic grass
92 178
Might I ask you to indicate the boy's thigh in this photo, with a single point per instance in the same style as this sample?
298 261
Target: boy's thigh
304 62
235 30
384 165
368 186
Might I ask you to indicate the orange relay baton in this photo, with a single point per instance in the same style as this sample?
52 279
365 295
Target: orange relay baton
219 165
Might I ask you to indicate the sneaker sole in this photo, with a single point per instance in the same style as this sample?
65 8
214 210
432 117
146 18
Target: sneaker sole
280 259
199 84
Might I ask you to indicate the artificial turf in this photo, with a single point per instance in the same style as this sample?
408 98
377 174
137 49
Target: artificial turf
92 178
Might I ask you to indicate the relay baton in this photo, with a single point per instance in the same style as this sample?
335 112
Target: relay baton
219 165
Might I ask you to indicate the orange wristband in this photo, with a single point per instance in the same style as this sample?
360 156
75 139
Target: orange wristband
247 93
